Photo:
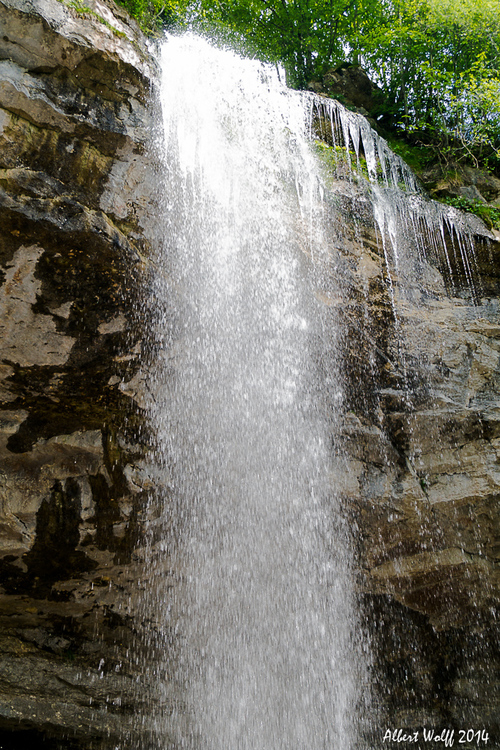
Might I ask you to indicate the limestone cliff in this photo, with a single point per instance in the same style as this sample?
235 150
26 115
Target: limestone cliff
421 432
76 209
421 427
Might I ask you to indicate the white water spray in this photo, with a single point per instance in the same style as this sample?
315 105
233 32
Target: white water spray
257 615
262 605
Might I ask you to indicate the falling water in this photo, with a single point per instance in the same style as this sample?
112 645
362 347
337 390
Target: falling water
262 604
252 572
408 222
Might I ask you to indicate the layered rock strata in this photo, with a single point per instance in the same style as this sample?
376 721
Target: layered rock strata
421 436
421 428
76 217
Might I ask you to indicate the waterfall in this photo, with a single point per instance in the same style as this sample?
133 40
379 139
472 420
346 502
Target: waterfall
252 573
262 600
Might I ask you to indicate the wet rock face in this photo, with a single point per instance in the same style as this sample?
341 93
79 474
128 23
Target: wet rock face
462 181
352 86
429 468
76 210
421 428
421 424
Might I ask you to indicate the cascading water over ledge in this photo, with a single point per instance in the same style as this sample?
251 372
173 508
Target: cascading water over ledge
251 405
403 213
391 356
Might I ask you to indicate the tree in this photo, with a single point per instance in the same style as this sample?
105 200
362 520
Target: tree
306 36
437 62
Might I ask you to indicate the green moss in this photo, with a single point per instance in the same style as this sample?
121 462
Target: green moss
340 162
417 157
84 10
153 15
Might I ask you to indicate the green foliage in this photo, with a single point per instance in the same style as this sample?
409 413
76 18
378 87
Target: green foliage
306 36
489 214
437 61
417 157
153 15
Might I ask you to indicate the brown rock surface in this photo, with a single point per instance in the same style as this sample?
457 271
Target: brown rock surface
420 430
457 180
420 439
76 215
352 86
